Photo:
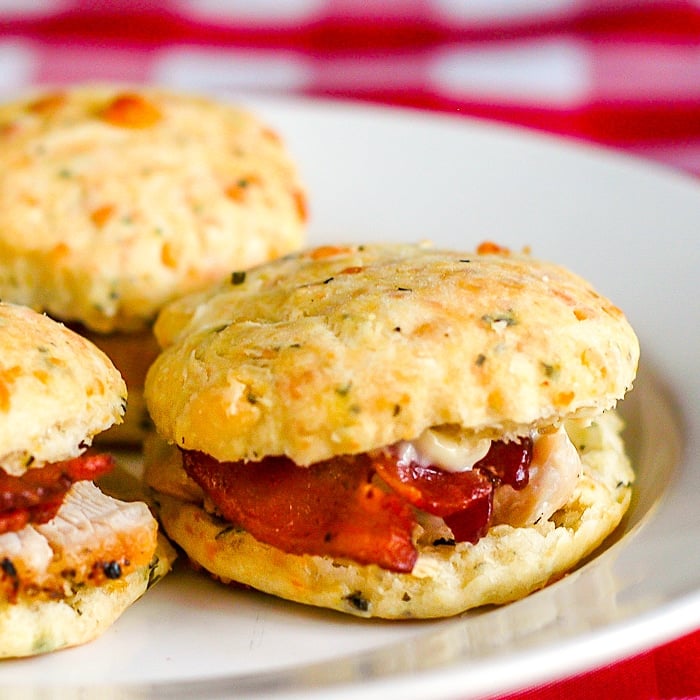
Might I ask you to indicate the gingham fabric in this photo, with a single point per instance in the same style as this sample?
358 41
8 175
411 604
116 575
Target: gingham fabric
622 73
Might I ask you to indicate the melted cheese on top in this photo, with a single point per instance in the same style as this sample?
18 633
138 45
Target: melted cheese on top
449 449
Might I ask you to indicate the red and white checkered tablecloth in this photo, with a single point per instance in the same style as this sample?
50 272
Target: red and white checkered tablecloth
618 72
622 73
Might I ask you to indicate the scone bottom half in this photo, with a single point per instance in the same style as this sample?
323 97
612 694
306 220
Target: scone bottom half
392 430
72 559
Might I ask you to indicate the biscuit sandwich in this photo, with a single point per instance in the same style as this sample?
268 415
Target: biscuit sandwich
392 430
71 558
115 200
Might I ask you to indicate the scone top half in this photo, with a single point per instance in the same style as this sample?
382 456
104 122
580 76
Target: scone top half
57 391
343 350
134 196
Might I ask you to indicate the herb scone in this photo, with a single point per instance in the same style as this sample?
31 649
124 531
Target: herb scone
133 197
391 430
71 558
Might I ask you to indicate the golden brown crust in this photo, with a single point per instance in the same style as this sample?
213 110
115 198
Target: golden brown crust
345 349
57 390
133 196
505 565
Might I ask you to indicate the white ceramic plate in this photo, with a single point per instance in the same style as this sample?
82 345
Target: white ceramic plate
630 228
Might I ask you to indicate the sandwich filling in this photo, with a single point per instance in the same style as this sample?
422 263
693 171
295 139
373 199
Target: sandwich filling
392 430
59 532
379 507
35 496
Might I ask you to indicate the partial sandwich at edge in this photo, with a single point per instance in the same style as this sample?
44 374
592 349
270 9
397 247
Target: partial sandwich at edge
392 430
71 558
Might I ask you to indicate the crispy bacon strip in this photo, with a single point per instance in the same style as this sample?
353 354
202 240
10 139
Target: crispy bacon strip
332 508
431 489
472 523
329 508
509 462
36 496
463 499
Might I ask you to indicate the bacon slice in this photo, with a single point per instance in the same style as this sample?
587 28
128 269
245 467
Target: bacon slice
332 508
509 462
327 509
472 523
463 499
36 496
431 489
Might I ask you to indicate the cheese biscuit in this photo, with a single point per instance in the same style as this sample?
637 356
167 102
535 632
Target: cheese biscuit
114 201
392 430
